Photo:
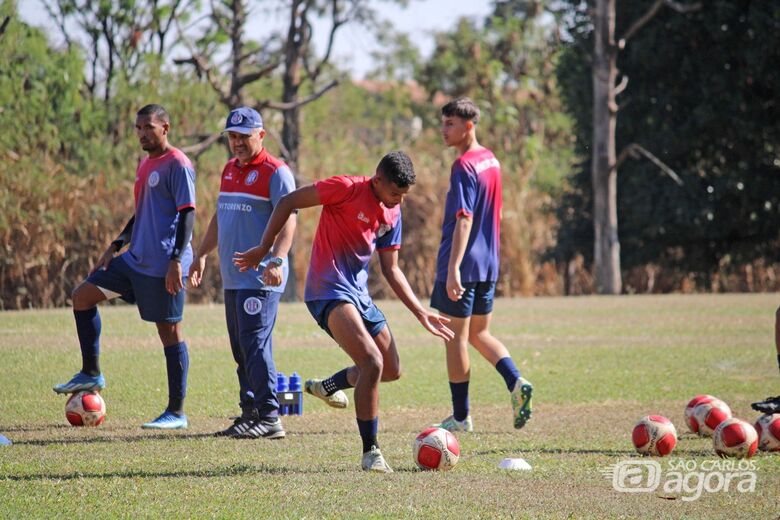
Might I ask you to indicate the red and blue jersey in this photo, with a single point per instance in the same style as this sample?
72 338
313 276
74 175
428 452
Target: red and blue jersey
247 196
475 191
163 186
352 225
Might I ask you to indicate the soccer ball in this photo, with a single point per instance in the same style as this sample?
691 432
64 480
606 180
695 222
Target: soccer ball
735 438
689 420
654 435
708 415
768 429
436 448
85 409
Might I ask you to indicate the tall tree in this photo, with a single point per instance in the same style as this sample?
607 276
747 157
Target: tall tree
606 246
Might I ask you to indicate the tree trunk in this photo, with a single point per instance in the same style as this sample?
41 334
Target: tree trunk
606 245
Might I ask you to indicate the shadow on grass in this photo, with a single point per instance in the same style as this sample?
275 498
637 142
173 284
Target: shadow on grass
229 471
122 438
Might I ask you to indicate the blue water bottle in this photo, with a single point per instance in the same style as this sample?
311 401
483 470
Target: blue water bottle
295 388
281 387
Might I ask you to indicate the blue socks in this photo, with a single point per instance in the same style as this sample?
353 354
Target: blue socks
337 381
88 327
506 367
460 400
177 361
368 433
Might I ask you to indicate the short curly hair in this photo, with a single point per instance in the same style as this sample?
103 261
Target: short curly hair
398 168
463 108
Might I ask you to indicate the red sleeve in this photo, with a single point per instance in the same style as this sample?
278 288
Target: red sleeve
335 190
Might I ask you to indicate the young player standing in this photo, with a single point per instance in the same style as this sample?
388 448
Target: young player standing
467 266
252 184
359 215
150 272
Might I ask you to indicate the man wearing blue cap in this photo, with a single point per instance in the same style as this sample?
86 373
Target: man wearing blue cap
252 184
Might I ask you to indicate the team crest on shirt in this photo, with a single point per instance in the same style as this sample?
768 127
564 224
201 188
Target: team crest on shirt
236 118
252 305
154 179
361 217
251 178
383 229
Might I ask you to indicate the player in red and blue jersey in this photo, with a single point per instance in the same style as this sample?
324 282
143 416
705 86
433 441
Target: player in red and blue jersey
150 272
252 184
359 215
467 266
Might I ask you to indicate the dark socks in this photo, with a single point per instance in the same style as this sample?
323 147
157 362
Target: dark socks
778 361
177 361
368 433
460 400
88 329
337 381
506 367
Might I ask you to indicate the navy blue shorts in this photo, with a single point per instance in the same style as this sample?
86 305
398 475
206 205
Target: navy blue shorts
147 292
477 299
373 318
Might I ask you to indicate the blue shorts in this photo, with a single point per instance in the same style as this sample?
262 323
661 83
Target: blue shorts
148 292
477 299
373 318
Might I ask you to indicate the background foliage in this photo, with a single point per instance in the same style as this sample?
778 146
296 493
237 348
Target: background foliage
702 96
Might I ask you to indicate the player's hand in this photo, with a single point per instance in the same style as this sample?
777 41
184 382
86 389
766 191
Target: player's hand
454 288
272 275
105 259
249 259
436 325
196 270
173 283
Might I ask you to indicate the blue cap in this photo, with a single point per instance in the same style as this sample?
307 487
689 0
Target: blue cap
243 120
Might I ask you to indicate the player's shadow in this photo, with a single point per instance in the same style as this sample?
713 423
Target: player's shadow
113 439
228 471
559 451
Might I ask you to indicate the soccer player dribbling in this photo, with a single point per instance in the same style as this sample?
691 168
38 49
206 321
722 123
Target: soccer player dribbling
359 215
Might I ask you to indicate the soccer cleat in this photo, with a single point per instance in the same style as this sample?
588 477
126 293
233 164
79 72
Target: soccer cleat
374 462
81 382
239 426
167 421
337 399
770 405
521 402
451 424
263 428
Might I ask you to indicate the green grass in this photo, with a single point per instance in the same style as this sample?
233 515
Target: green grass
598 364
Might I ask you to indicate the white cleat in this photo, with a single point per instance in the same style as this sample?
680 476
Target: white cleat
374 462
337 399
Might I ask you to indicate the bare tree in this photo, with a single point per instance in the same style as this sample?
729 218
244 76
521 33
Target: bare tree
605 161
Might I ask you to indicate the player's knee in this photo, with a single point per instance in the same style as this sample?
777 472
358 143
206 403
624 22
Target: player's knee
81 298
777 314
391 373
371 366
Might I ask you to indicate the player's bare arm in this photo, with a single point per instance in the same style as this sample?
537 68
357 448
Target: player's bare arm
273 273
207 244
304 197
460 238
433 323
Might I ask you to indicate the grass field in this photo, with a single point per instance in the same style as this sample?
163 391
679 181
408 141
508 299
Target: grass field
598 365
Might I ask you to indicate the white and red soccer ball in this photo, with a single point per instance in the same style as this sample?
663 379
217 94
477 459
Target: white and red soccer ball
436 449
693 426
707 414
85 409
654 435
735 438
768 429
